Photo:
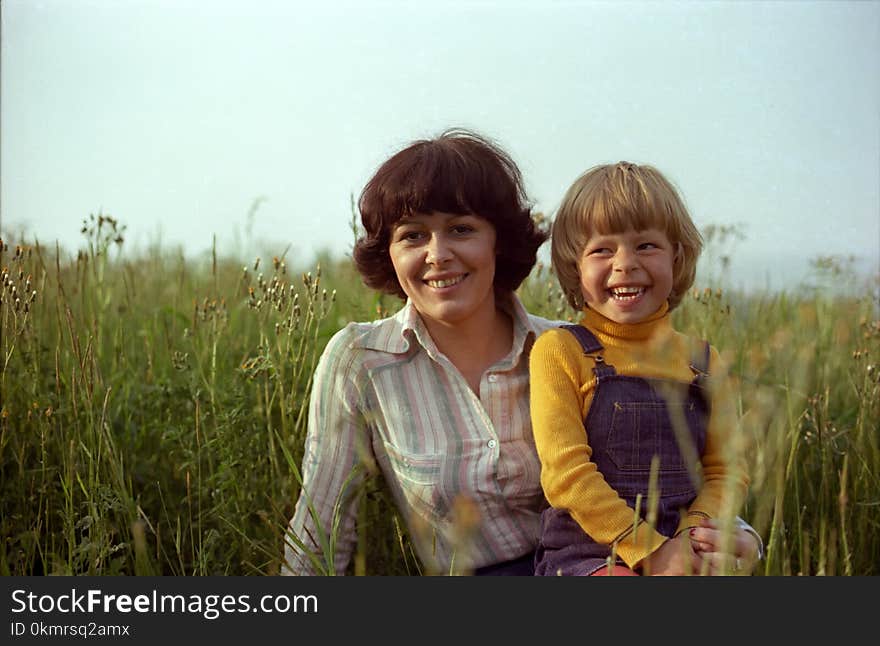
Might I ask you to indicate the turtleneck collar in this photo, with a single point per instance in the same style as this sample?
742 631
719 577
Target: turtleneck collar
655 323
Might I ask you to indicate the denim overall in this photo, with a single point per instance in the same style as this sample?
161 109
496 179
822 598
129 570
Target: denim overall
630 422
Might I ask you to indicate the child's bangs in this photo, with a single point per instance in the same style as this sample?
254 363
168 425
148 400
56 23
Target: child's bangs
620 213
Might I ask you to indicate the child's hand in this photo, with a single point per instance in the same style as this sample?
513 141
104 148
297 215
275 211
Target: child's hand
706 541
676 557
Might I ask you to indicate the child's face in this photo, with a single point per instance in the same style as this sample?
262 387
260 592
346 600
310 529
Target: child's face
627 276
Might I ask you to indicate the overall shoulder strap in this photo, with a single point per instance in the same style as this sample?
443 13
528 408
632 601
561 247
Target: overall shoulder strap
592 348
587 339
699 364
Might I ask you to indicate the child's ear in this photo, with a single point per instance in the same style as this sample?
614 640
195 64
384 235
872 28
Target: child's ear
679 252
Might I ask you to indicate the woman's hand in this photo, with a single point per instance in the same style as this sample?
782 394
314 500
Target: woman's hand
707 542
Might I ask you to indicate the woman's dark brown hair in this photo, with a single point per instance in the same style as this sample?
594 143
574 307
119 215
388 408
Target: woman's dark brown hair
457 172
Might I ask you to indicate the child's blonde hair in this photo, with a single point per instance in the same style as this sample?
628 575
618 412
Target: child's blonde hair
614 198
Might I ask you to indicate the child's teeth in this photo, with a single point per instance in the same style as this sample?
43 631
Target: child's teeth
627 293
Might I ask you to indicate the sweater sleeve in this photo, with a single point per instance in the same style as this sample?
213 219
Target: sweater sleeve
561 385
725 473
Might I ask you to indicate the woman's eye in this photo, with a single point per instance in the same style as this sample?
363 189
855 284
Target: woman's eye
462 229
409 236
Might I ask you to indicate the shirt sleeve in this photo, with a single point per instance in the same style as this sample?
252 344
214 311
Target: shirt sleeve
571 480
725 473
321 535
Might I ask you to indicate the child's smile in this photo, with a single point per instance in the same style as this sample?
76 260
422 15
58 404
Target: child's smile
627 293
627 276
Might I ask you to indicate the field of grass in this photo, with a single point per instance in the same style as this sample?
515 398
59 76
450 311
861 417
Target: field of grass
153 410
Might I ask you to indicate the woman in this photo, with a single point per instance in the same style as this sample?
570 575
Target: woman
436 397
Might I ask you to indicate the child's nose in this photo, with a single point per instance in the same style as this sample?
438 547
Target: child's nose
625 260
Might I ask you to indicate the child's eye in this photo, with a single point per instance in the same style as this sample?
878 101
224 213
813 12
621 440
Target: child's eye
599 251
648 245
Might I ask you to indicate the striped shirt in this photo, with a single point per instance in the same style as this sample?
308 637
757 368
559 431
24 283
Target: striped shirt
462 468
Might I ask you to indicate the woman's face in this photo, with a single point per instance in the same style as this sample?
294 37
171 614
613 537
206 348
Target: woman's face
446 265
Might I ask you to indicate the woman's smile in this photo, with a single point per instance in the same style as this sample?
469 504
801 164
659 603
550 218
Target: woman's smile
444 283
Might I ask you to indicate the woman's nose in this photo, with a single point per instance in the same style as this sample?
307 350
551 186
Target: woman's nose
438 250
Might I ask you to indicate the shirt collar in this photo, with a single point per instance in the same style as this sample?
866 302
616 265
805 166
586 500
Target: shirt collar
395 333
524 332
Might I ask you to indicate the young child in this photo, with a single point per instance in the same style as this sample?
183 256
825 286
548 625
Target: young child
628 413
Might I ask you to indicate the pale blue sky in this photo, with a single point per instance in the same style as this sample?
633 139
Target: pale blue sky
175 116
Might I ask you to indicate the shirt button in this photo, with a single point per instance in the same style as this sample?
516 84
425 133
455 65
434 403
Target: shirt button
493 378
491 444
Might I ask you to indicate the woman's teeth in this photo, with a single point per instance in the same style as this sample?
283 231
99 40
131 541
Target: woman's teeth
449 282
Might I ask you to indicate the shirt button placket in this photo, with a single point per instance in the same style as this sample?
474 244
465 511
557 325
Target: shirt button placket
492 378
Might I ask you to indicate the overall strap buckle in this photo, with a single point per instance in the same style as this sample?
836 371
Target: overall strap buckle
592 349
699 363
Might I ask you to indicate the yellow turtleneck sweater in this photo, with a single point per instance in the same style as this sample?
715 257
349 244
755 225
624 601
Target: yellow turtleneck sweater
562 385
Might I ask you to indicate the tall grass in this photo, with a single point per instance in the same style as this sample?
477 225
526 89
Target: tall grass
154 409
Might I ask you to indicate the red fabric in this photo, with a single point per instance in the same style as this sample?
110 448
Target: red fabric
617 570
